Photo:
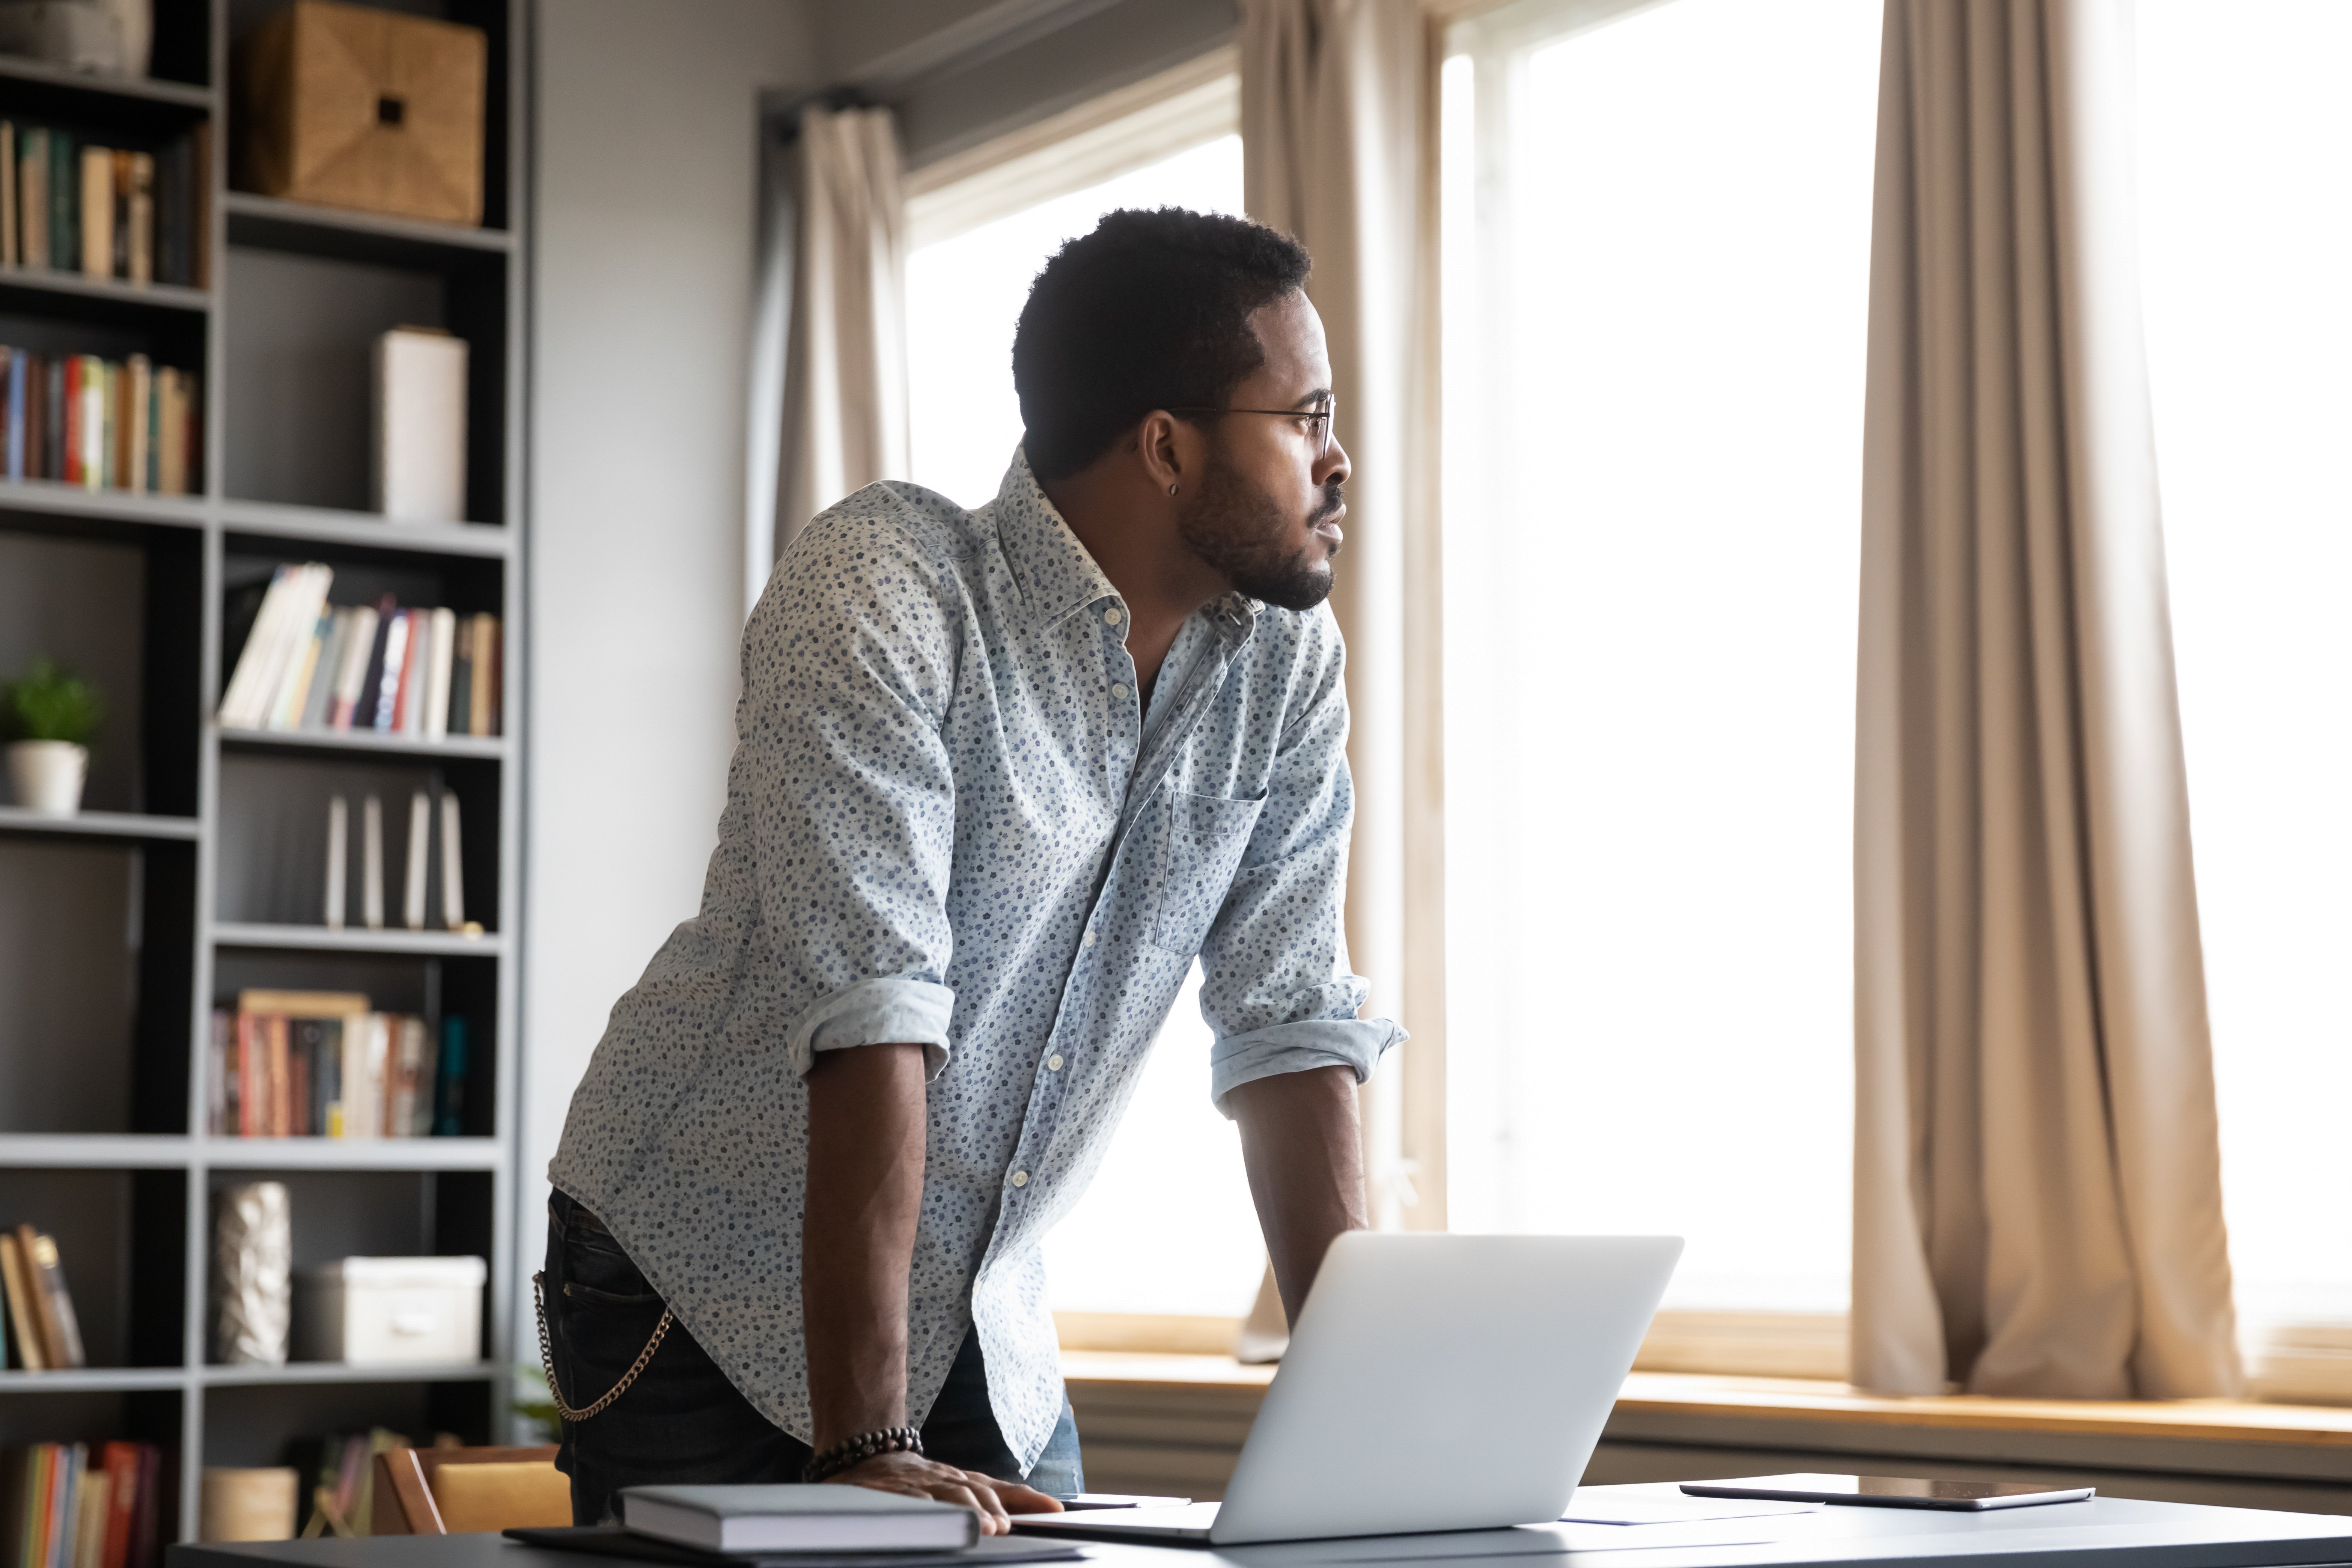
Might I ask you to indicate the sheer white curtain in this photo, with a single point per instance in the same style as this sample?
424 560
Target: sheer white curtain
2245 147
1657 240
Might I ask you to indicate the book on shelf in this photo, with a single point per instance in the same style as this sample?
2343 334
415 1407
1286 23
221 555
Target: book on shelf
44 1330
81 1505
321 1064
311 665
417 883
102 425
124 214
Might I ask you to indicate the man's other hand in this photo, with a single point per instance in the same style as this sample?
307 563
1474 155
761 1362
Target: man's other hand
912 1475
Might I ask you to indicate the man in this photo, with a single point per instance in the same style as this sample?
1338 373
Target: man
1000 776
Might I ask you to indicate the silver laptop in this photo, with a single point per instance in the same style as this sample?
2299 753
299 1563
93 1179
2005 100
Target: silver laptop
1433 1382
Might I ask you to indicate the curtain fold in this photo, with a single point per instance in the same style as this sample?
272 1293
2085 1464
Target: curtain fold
829 395
1339 147
2037 1188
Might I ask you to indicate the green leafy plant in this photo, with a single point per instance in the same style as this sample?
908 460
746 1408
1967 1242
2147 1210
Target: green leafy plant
48 704
534 1406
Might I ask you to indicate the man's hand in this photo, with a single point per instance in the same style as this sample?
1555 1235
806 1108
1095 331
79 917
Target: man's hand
911 1475
1304 1149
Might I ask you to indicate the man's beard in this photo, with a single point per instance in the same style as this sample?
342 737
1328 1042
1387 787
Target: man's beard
1239 531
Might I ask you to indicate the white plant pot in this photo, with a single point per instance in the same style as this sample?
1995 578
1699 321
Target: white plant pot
46 776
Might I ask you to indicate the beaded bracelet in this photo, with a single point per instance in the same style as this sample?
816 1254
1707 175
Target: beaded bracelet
858 1449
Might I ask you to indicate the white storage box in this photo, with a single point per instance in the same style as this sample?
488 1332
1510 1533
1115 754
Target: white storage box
375 1311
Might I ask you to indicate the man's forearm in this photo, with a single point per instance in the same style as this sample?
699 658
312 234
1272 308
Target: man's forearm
867 1127
1303 1146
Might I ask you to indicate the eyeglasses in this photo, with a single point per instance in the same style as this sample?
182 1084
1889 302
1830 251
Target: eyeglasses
1320 417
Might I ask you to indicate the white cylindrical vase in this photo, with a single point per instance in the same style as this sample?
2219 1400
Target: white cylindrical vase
46 776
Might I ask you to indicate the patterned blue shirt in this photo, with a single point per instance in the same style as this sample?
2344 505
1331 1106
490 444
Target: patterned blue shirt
950 820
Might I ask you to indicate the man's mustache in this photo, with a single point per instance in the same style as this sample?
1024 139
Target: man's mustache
1332 501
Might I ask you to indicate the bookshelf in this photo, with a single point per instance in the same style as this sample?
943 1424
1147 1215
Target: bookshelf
120 928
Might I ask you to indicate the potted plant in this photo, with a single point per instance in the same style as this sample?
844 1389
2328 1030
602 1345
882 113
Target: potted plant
47 718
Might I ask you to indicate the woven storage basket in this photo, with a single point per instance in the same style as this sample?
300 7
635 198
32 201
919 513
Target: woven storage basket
350 106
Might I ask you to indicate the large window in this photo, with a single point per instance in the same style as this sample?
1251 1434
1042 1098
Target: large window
2246 224
1167 1226
1657 234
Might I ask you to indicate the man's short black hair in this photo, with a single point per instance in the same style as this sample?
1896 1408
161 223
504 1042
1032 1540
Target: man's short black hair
1151 311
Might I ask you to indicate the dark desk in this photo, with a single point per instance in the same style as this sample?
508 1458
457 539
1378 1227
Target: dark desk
2105 1533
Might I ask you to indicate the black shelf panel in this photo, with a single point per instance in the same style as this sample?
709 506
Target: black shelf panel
38 86
103 298
122 826
330 525
323 939
269 223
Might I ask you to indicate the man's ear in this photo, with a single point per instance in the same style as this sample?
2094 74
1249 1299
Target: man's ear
1157 446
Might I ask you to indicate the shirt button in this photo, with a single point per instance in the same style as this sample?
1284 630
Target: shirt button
1054 1062
1110 616
1090 939
1020 1178
1119 692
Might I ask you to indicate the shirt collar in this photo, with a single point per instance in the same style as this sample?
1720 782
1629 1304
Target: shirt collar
1057 573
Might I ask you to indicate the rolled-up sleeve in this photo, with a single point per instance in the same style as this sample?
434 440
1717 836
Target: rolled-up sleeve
1276 987
848 665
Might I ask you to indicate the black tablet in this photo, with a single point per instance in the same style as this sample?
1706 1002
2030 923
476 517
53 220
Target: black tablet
1889 1491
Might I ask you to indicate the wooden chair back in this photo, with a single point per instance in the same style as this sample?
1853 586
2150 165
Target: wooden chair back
460 1491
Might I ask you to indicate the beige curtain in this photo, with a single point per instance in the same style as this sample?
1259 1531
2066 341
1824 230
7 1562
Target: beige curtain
1339 139
829 399
2037 1189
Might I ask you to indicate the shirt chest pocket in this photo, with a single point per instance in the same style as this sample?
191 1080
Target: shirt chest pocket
1202 848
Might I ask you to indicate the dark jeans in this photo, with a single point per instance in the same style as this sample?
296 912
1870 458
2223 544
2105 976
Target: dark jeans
682 1421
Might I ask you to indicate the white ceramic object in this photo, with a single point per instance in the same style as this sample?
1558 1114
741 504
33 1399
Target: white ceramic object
46 776
381 1311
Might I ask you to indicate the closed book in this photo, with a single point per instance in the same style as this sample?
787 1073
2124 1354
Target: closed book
9 254
65 219
303 1003
481 712
359 647
121 1463
395 661
773 1518
328 672
171 432
443 645
37 420
32 198
55 421
95 381
92 1491
18 362
146 1528
281 1078
72 472
60 1328
139 239
461 679
24 1313
65 1480
138 401
97 212
217 1073
294 689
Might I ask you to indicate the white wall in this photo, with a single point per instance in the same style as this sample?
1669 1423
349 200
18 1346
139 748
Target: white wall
644 192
